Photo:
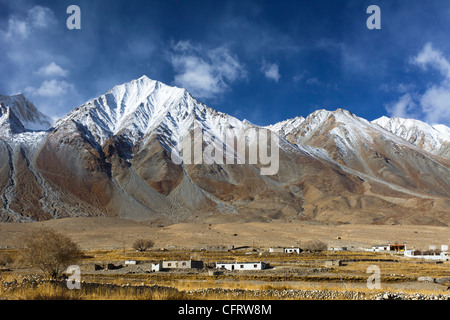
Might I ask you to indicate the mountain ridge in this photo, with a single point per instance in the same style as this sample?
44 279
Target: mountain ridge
112 156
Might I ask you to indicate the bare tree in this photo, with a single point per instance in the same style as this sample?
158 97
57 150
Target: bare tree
315 245
50 251
143 245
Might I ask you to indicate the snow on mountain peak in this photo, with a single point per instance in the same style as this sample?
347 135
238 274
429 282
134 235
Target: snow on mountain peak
9 123
286 126
140 107
26 112
430 138
444 130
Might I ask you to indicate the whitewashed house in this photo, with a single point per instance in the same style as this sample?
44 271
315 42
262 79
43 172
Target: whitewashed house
380 247
292 250
241 266
284 250
428 255
157 267
182 264
392 247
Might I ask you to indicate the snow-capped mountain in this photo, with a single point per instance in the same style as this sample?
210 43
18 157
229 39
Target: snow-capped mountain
113 156
434 139
9 123
349 129
141 107
369 151
26 112
287 126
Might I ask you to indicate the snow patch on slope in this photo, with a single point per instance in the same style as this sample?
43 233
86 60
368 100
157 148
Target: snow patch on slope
26 112
430 138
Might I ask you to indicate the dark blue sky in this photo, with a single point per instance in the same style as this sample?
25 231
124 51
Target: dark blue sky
264 61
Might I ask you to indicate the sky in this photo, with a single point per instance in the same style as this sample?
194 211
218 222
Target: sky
264 61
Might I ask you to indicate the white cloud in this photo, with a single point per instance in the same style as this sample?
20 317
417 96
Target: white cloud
313 81
33 57
271 71
299 77
205 73
37 18
50 88
17 28
403 108
41 17
435 104
432 105
434 58
52 70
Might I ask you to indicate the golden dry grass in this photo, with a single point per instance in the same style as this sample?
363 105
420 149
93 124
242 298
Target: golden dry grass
352 276
50 291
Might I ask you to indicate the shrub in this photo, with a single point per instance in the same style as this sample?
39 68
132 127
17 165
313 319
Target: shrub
315 245
50 251
142 244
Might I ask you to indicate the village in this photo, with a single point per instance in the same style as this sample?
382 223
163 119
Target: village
431 254
254 272
272 258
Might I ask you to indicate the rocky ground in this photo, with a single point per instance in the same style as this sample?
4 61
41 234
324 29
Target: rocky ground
33 282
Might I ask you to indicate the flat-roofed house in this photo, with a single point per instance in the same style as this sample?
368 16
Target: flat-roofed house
241 266
182 264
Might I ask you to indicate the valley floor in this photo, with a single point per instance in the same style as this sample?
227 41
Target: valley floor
113 233
290 276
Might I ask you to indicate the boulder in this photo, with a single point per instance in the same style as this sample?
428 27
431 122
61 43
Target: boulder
426 279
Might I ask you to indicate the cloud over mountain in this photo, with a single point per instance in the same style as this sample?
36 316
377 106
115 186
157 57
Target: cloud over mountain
433 104
207 73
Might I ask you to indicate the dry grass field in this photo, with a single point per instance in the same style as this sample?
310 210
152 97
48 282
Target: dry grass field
290 276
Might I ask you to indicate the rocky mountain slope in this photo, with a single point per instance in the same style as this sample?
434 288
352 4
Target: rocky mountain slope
119 155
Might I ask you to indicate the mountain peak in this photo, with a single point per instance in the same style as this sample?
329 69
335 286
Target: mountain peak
30 117
434 139
137 108
141 88
9 122
286 126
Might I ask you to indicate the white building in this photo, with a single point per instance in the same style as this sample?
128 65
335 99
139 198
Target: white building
182 264
388 247
380 247
440 256
157 266
284 250
292 250
241 266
